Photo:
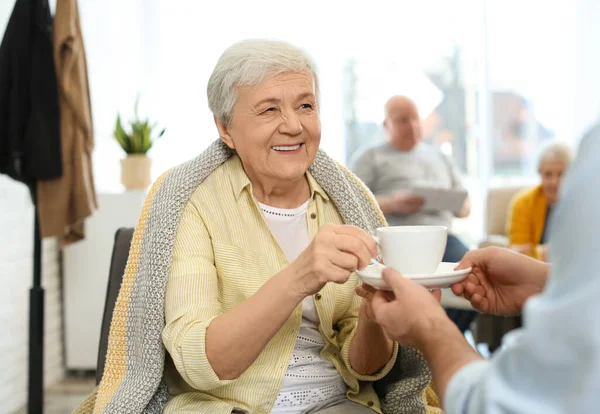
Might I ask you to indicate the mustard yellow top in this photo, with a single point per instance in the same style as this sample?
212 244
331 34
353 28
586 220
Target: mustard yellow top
527 218
223 253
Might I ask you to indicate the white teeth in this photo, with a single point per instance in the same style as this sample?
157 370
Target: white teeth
287 148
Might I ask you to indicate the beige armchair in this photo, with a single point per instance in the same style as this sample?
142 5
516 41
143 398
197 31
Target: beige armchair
498 203
490 329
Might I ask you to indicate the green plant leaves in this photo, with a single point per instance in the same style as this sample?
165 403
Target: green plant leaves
122 137
140 140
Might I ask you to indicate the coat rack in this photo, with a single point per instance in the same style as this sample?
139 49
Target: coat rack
31 144
36 325
30 131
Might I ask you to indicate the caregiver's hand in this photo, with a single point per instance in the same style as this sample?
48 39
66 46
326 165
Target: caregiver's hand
408 313
501 280
367 292
413 316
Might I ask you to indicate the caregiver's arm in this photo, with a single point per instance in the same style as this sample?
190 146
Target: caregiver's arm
424 325
446 351
500 283
560 329
558 335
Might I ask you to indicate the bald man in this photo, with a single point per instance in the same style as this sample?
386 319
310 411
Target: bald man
393 168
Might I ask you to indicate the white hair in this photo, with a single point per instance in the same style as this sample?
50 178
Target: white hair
556 151
248 63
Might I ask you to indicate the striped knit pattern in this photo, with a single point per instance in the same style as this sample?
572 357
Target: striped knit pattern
133 375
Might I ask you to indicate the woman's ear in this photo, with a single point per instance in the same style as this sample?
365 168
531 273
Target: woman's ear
224 133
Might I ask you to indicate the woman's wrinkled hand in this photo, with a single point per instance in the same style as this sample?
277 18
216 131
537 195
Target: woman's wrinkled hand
366 292
335 252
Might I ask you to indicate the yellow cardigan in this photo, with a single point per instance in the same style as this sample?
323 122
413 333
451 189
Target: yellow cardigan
527 219
223 253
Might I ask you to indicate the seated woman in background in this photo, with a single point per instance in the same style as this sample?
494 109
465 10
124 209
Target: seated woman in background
531 209
253 247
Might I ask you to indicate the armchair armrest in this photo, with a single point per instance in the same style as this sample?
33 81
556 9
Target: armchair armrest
495 240
450 300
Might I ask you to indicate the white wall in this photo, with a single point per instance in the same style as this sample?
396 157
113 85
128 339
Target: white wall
547 51
585 99
166 50
16 273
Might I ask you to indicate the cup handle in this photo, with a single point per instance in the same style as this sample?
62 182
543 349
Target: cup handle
377 263
378 259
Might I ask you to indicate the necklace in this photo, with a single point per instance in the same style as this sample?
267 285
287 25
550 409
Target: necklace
275 213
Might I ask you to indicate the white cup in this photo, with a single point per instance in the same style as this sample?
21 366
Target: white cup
412 249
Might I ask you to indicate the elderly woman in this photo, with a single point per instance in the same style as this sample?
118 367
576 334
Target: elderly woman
258 240
531 209
243 264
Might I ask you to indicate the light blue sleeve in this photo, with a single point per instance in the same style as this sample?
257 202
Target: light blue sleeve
552 364
460 389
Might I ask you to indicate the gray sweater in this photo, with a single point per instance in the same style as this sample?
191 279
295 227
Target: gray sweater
386 171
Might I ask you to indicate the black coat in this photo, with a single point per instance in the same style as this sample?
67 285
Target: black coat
29 118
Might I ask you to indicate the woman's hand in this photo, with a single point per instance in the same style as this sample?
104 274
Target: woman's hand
335 252
366 292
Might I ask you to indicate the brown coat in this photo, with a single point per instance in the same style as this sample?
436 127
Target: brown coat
65 202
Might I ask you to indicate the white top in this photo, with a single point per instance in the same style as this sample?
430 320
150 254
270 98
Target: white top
552 364
310 379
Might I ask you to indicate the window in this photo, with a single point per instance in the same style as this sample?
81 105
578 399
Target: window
528 83
491 77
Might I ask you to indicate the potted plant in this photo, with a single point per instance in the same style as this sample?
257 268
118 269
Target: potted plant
135 168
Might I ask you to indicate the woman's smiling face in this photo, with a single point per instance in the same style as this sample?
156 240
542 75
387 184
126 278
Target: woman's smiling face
275 127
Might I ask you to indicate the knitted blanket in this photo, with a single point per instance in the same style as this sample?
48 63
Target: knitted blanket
133 375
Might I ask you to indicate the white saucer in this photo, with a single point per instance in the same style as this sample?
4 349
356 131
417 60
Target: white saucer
445 276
